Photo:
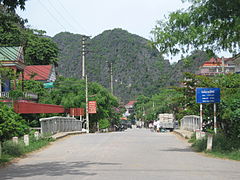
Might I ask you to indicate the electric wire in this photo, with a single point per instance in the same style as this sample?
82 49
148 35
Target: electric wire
73 17
55 9
51 14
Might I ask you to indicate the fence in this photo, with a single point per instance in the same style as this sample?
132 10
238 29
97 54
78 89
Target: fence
57 124
26 95
190 123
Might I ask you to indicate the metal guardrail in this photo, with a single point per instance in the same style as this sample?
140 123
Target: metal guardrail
29 95
26 95
4 94
57 124
190 123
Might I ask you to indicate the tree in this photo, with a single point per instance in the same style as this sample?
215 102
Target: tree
13 4
211 25
11 123
70 93
11 29
40 50
227 110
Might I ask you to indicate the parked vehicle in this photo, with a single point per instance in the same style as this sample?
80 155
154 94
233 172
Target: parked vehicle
166 121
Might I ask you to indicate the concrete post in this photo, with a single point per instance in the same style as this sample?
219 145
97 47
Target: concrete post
215 118
201 116
198 134
209 142
36 135
0 149
26 139
15 140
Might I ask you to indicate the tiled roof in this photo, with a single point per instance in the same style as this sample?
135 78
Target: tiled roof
215 61
37 72
130 103
11 54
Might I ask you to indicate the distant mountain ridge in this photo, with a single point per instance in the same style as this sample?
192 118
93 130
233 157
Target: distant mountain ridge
137 67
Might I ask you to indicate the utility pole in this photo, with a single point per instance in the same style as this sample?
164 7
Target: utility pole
111 78
84 76
83 57
110 69
84 52
87 115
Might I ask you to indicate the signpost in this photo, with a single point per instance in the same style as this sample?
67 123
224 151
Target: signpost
92 107
208 95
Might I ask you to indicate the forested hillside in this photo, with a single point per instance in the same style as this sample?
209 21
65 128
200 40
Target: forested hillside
137 67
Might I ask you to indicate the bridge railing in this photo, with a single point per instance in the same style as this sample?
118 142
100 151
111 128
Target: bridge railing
190 123
57 124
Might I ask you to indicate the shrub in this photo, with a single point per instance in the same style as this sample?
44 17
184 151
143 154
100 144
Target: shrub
222 143
13 149
200 145
193 138
104 123
11 123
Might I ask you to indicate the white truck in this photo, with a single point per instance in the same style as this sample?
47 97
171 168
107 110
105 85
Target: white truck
166 121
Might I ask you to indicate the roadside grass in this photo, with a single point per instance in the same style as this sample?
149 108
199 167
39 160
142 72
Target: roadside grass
11 150
4 159
222 147
234 155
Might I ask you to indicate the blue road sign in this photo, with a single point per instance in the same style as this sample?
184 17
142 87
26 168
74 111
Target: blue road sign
208 95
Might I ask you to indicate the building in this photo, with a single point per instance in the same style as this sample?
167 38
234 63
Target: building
10 58
43 73
236 60
217 66
129 108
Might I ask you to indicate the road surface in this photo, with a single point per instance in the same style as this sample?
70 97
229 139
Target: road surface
136 154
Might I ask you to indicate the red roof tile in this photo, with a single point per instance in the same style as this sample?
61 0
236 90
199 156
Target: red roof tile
130 103
37 72
215 61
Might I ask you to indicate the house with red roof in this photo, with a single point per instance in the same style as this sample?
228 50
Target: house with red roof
129 108
43 73
217 66
236 60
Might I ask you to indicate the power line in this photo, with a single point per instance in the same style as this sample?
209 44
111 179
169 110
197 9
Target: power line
73 17
51 14
60 14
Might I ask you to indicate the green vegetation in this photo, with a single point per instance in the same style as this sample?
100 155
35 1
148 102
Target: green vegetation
12 150
223 147
13 4
210 25
38 49
182 101
137 68
11 123
139 72
103 124
234 155
70 93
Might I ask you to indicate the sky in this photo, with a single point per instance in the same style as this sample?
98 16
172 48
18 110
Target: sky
92 17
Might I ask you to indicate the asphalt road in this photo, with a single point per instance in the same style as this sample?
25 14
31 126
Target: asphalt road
134 154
